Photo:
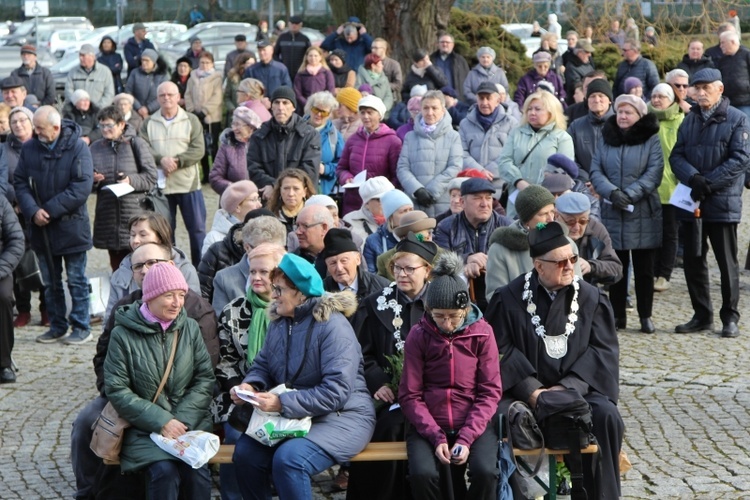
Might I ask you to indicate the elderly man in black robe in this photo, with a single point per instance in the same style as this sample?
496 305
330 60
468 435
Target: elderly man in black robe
576 350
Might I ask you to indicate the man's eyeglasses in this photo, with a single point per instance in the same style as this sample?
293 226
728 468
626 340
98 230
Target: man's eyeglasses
321 112
306 227
562 263
572 221
408 270
107 126
147 264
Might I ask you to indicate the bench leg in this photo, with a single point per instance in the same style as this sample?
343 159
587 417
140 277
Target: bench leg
552 491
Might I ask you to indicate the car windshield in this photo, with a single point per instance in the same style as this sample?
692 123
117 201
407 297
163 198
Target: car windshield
24 28
184 37
67 63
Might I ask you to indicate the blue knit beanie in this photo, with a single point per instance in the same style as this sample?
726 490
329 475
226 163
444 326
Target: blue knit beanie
392 201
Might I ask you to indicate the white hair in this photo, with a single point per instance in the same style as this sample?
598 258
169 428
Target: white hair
49 114
730 36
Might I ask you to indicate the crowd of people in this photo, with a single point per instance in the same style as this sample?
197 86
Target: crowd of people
429 231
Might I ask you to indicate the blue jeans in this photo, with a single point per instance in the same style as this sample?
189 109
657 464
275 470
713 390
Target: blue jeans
174 479
291 464
230 490
78 285
193 210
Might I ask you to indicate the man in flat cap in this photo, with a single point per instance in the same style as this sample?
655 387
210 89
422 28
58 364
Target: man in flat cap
291 46
36 78
711 156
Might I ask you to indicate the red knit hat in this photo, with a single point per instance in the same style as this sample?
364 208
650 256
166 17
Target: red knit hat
161 278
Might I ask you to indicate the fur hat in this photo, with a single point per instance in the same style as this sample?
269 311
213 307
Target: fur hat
161 278
303 274
447 289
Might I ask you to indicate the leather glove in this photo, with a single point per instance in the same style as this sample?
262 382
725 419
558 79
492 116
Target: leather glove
701 187
424 197
620 200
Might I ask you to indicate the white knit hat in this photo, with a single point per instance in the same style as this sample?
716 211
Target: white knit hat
374 187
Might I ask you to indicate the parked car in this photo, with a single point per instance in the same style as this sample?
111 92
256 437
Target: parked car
211 32
26 32
315 36
522 31
92 38
159 32
219 48
60 40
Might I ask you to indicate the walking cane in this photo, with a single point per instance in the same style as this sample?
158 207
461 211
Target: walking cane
45 240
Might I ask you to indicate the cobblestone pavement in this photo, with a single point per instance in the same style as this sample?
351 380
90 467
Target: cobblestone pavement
684 398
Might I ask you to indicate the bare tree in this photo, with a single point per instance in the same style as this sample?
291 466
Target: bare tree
407 24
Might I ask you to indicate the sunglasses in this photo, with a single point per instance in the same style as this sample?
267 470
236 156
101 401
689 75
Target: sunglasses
681 85
320 112
562 263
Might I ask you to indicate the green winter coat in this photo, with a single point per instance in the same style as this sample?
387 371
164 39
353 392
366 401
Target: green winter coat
136 359
670 120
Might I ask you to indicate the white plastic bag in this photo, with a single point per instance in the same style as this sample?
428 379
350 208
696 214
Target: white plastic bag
270 428
195 448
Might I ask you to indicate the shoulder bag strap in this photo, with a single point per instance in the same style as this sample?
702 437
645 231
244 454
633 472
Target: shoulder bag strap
169 366
533 148
523 471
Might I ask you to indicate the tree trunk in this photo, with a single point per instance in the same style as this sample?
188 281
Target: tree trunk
341 10
408 25
90 8
149 10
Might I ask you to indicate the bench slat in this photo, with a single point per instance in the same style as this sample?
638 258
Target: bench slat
388 451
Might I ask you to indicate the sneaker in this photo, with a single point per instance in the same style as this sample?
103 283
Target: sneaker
661 284
23 319
50 336
78 337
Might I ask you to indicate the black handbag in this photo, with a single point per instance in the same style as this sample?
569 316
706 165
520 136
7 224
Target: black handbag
28 275
156 201
524 433
565 420
239 417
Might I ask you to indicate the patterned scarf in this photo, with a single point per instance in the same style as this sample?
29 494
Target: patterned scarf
256 333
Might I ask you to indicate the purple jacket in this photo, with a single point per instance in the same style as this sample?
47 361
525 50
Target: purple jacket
377 153
528 83
306 84
230 164
450 383
405 129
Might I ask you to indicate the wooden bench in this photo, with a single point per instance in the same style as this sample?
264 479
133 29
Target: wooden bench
375 452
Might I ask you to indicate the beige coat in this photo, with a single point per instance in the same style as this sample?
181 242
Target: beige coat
204 95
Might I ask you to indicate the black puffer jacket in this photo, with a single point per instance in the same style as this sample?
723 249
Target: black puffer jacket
585 132
220 255
130 156
716 149
735 73
692 66
433 78
84 119
276 147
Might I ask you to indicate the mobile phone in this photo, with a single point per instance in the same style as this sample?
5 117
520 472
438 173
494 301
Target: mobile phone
457 451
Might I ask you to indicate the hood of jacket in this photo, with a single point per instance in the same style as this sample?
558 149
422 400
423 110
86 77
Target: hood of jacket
70 132
382 131
131 318
513 237
228 138
442 127
321 307
639 133
222 221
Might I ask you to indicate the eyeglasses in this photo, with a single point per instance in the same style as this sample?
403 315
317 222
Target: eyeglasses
19 121
107 126
306 227
251 199
408 270
571 222
147 264
278 290
562 263
453 318
320 112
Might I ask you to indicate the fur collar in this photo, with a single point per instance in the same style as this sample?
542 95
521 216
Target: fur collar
512 237
638 133
322 307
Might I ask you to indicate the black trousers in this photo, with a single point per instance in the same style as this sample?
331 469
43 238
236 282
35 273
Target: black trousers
7 336
384 480
431 479
667 254
643 270
723 237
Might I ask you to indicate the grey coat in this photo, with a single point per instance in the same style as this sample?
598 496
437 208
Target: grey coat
142 86
482 149
331 387
229 284
98 83
479 74
430 161
586 132
632 162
